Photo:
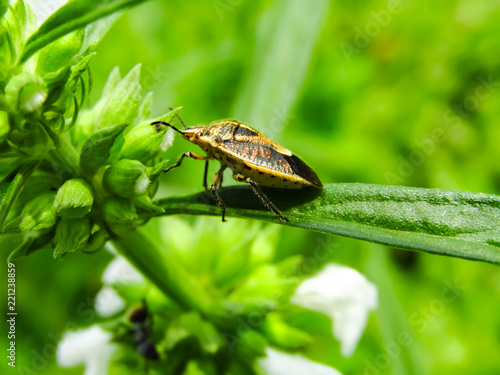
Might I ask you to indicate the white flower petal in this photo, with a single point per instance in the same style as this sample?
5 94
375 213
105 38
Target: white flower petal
91 347
343 294
167 140
35 100
281 363
120 271
108 302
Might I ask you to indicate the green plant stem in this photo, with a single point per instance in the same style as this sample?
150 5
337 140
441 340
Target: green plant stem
66 159
163 271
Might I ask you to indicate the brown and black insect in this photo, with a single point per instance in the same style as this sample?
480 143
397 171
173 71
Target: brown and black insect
253 159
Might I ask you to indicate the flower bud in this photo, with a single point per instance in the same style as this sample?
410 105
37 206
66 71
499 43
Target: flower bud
74 199
144 142
126 178
25 92
119 214
39 213
71 235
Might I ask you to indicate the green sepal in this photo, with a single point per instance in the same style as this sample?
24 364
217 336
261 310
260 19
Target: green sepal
96 242
56 55
97 147
37 215
74 199
145 203
71 235
145 108
158 170
281 334
126 178
32 241
26 92
11 186
122 106
119 214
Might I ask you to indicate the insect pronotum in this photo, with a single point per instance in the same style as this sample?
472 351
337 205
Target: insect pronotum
253 159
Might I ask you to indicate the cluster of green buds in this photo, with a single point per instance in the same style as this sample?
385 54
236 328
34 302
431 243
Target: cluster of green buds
71 178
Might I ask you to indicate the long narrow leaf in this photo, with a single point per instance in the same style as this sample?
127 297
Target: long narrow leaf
74 15
454 223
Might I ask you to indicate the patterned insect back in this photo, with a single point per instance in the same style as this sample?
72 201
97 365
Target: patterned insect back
252 157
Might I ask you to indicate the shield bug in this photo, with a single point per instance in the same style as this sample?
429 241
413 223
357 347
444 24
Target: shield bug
253 159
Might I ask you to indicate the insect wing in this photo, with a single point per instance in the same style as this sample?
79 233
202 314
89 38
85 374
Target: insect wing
265 156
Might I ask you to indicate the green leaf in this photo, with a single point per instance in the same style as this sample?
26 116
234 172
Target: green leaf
96 149
453 223
72 16
11 186
122 106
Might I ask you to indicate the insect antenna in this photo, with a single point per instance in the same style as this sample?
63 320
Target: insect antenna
160 123
179 117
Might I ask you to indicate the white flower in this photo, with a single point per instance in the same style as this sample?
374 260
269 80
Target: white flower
281 363
167 140
118 273
345 296
90 347
108 302
34 100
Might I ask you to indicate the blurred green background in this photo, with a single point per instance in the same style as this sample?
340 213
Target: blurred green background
399 92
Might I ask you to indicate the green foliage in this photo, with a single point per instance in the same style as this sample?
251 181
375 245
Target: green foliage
410 107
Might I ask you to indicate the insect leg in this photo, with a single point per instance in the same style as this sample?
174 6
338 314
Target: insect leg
213 189
205 176
263 197
187 154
